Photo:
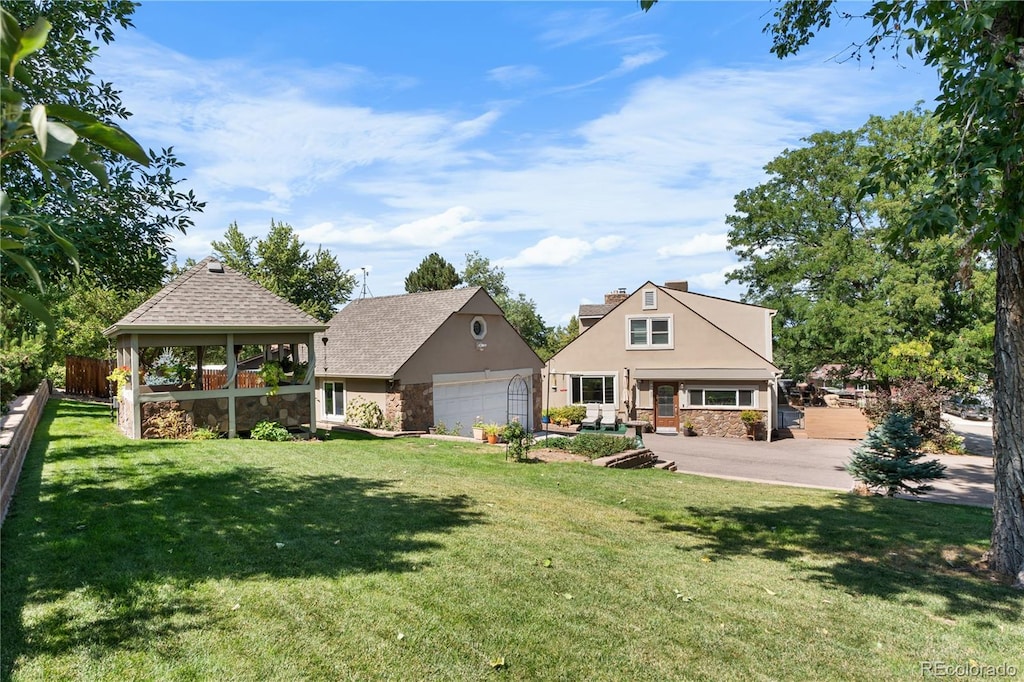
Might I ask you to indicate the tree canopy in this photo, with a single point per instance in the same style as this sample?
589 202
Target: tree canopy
433 273
817 251
78 191
520 311
280 262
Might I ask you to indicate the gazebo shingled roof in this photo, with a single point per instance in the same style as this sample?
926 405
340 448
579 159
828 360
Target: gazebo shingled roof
201 299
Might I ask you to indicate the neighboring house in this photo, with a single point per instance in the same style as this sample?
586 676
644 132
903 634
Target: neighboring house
428 358
213 312
669 356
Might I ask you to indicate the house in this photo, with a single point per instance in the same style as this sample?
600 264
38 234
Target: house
670 356
430 358
211 312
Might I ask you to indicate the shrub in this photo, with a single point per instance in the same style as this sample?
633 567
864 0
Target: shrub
22 364
268 430
519 440
558 443
364 414
57 374
594 445
751 417
443 429
569 414
204 433
922 402
166 420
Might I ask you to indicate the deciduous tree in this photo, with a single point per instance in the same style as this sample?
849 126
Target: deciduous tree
280 262
78 190
976 189
817 251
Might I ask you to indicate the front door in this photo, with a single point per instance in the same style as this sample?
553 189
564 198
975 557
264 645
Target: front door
666 406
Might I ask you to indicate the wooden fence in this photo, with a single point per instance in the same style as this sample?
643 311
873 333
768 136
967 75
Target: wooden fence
87 376
214 379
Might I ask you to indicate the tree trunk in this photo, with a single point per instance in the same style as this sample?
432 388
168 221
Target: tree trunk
1006 554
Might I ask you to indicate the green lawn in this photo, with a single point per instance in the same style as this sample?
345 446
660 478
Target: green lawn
419 559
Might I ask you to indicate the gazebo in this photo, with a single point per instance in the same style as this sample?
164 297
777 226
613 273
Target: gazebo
214 312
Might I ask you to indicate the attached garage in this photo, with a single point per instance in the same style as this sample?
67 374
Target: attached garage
427 358
462 398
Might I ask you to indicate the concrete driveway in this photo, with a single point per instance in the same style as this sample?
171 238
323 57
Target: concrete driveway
810 463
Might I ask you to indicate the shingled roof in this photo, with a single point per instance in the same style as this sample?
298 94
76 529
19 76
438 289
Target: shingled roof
374 337
215 299
596 309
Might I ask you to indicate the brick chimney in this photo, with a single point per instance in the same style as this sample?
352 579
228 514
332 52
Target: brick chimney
615 297
678 285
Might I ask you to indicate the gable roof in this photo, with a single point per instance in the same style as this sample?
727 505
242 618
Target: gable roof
374 337
201 299
682 299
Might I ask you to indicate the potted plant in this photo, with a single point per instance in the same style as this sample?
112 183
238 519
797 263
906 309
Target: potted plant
492 431
545 417
753 422
688 428
272 375
478 429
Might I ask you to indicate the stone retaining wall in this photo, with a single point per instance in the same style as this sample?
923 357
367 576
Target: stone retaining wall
16 429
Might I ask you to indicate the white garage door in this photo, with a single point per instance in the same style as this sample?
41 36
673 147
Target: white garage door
462 398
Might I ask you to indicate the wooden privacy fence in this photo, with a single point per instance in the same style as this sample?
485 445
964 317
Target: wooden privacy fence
87 376
214 379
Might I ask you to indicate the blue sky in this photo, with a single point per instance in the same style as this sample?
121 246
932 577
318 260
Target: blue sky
580 146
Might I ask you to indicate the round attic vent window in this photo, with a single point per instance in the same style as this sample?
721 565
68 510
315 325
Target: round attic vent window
478 327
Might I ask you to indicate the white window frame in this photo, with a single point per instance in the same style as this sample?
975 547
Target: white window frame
648 345
594 375
653 298
334 399
755 392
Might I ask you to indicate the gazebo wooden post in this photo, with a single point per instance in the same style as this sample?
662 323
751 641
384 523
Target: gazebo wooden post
136 384
199 384
232 385
311 379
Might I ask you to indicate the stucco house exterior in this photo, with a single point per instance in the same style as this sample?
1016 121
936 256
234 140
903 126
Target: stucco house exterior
428 358
214 312
669 356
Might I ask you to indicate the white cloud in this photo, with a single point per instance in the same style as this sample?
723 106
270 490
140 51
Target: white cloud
514 75
429 231
555 251
711 280
644 175
697 245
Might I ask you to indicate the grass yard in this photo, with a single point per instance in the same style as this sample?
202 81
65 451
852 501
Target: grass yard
418 559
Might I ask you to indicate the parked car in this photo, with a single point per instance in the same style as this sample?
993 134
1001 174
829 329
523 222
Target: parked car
968 408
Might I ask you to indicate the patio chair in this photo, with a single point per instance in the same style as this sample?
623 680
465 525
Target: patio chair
593 418
609 419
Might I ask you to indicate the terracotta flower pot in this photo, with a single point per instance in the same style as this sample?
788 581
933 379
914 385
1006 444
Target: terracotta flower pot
492 438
